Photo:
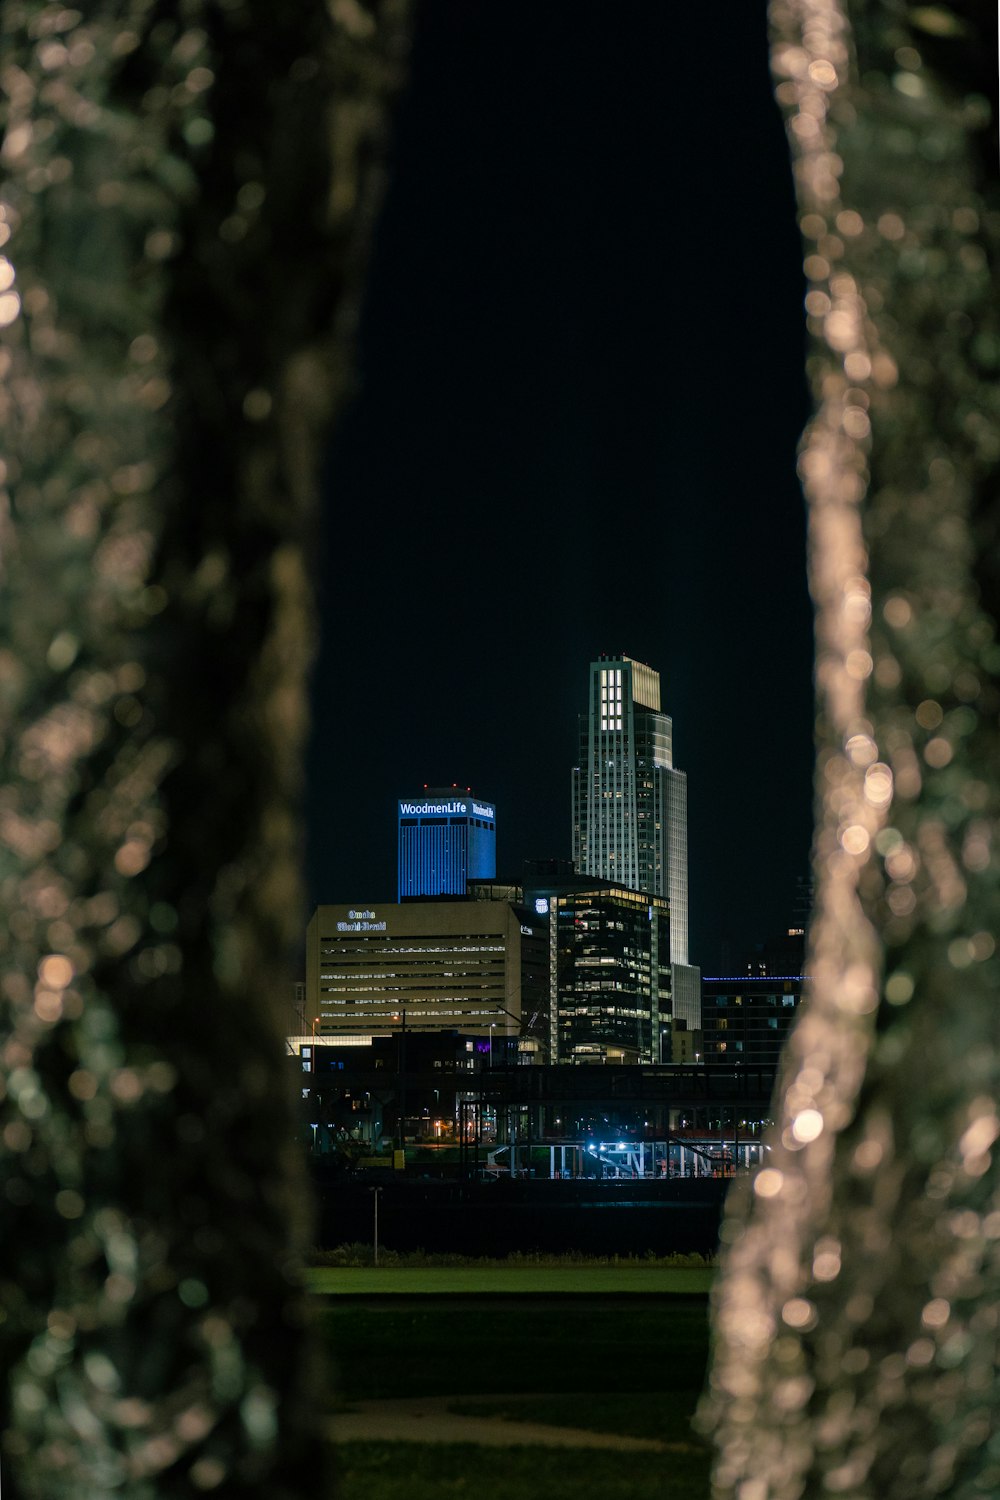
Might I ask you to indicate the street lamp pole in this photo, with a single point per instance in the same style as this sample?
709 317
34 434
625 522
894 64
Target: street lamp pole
375 1192
402 1081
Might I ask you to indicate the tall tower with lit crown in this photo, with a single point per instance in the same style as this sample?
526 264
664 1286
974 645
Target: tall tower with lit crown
630 802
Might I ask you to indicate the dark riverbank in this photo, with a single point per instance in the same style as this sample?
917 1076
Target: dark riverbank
498 1218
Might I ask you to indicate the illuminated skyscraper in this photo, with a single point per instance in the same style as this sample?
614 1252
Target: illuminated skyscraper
446 837
630 803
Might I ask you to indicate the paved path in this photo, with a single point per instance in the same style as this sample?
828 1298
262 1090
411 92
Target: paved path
426 1419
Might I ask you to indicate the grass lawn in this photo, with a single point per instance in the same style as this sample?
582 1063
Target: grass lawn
650 1348
626 1366
378 1280
418 1471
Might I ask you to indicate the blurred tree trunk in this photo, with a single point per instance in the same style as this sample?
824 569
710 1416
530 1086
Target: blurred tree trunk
188 192
856 1321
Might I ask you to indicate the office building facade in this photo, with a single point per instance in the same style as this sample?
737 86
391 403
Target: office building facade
428 965
610 976
746 1018
630 805
446 837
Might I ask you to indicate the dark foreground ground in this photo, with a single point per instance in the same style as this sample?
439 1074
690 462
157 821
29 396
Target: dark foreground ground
506 1217
628 1367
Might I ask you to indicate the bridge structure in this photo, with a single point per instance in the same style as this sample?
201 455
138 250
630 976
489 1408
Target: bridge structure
628 1121
680 1086
640 1121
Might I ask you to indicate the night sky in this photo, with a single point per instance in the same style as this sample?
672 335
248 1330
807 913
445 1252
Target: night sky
580 391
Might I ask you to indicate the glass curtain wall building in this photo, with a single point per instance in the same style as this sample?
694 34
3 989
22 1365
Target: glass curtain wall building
630 804
612 975
610 978
629 799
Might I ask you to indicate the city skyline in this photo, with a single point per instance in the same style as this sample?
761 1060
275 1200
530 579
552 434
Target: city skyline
579 394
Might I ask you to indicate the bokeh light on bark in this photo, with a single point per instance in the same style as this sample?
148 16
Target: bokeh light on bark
856 1319
187 193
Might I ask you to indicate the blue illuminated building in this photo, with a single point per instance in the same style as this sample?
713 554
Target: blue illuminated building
446 837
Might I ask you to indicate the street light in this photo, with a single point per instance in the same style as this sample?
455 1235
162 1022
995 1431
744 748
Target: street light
401 1015
492 1025
375 1192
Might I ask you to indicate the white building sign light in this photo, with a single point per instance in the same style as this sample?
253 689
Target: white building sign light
361 921
423 809
418 809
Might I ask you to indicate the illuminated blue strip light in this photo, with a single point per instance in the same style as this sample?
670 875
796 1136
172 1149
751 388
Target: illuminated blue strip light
749 978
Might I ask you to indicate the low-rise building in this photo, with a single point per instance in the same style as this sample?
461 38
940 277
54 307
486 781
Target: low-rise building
466 965
746 1018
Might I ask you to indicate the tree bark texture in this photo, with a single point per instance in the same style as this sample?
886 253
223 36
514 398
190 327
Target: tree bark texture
188 189
856 1320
